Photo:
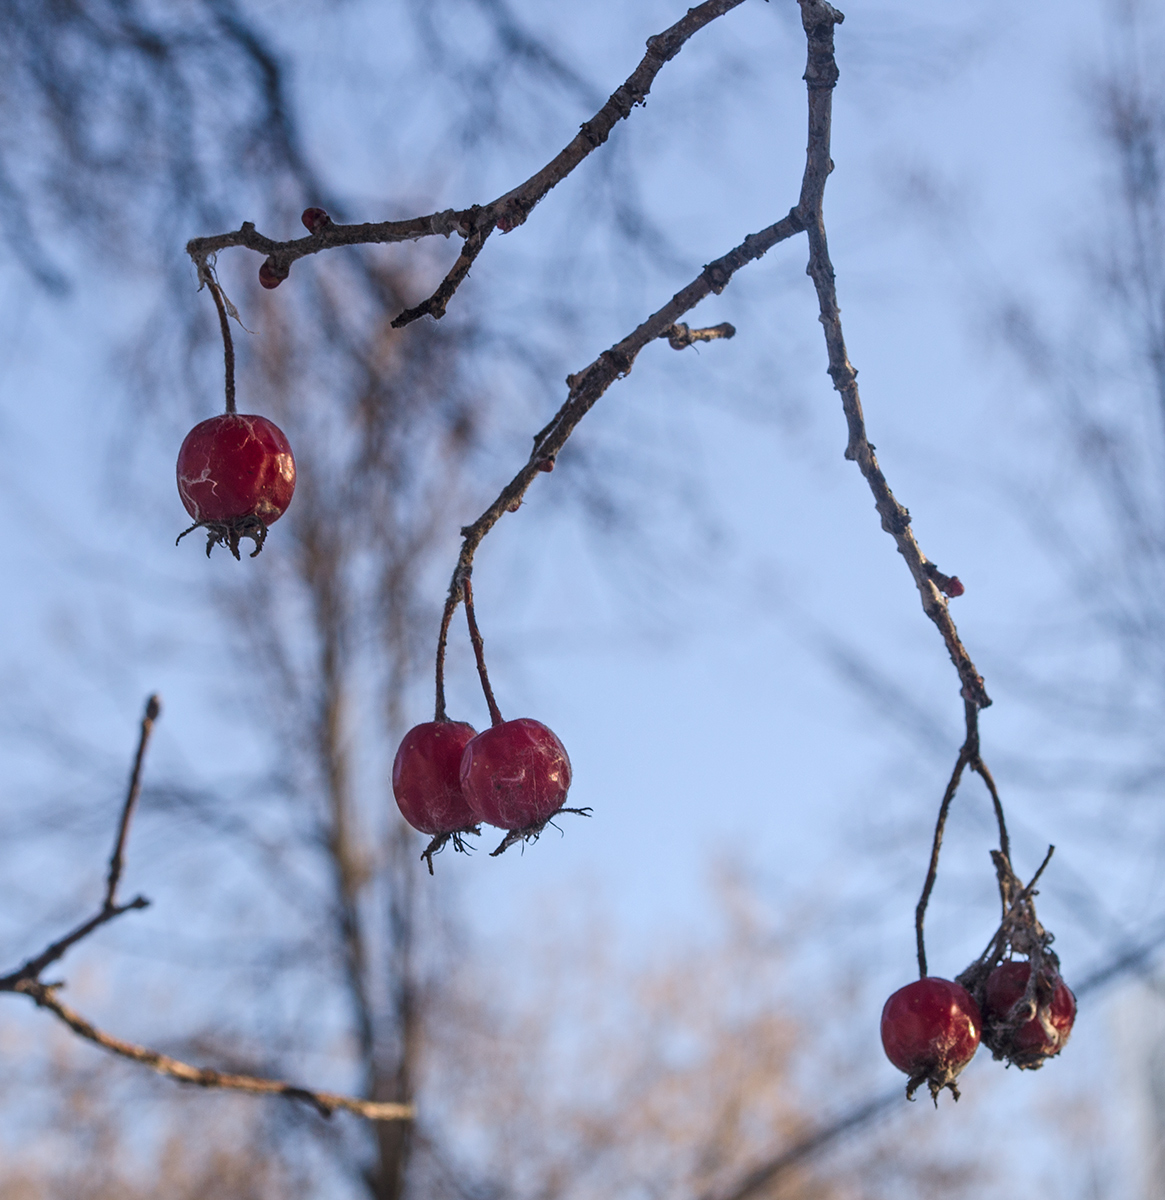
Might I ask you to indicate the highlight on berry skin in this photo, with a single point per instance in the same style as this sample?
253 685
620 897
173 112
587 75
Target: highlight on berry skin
236 477
930 1031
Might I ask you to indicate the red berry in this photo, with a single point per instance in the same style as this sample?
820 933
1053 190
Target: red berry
930 1030
236 476
515 775
426 777
272 274
315 219
1043 1034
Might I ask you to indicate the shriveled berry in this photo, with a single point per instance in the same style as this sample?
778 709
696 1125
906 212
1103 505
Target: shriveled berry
515 775
272 274
426 777
930 1030
315 219
236 476
1027 1036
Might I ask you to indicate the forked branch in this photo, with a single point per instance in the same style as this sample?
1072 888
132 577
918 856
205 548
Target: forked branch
26 981
821 74
475 224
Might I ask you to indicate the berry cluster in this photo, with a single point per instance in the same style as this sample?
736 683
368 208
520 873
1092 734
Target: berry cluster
932 1027
236 477
448 780
1011 999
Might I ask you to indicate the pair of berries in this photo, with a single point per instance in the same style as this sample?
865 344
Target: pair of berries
932 1027
448 778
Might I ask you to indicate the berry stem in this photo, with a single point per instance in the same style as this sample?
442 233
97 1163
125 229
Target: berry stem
932 869
228 345
442 641
495 715
968 757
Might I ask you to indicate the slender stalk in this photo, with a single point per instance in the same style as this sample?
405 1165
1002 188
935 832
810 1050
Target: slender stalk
932 869
228 345
495 715
451 602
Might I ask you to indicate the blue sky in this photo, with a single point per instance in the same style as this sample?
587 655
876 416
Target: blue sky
702 717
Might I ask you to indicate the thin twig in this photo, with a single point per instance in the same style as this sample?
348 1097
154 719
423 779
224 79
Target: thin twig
34 967
680 336
506 212
117 860
435 305
323 1102
495 715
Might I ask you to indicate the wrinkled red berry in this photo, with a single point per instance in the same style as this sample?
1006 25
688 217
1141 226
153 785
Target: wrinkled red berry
272 274
426 777
930 1030
236 476
515 775
1027 1043
315 219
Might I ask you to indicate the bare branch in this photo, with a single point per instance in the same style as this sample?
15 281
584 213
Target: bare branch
821 73
110 909
585 389
153 710
476 223
26 981
325 1103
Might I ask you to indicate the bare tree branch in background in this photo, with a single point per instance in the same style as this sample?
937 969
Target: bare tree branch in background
26 981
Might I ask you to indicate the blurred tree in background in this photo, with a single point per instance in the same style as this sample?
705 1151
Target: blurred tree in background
570 1068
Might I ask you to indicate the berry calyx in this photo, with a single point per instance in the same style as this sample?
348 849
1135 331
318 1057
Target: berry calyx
315 219
515 775
272 273
426 781
1026 1034
236 476
930 1030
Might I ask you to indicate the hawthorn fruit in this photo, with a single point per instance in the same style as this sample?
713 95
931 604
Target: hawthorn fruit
426 777
931 1030
1026 1035
515 775
236 476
